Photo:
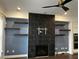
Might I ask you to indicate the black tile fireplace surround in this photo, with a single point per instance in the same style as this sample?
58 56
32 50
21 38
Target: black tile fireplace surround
41 50
41 42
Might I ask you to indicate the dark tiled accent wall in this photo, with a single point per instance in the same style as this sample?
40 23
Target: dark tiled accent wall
42 21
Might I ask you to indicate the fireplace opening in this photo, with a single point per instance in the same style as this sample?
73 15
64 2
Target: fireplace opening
42 50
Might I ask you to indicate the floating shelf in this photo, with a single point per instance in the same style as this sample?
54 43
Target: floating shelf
21 22
75 34
59 34
64 29
13 28
59 24
21 34
76 42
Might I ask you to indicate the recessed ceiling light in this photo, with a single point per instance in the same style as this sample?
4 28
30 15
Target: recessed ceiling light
18 8
65 13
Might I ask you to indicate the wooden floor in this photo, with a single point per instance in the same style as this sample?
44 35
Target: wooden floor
62 56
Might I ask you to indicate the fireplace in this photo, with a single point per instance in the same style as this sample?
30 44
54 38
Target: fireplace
42 50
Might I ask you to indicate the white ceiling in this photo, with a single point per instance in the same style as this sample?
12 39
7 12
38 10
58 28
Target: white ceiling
35 6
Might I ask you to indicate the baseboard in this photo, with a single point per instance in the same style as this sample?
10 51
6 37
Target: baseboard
61 52
16 56
75 51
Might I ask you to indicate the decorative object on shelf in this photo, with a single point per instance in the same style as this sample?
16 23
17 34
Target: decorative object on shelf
57 31
56 51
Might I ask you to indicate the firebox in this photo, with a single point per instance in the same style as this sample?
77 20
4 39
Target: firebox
42 50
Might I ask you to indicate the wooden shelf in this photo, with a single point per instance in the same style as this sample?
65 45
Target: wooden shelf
21 22
59 24
64 30
12 28
21 34
59 34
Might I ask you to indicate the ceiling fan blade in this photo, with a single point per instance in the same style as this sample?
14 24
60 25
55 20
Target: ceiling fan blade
66 1
51 6
65 8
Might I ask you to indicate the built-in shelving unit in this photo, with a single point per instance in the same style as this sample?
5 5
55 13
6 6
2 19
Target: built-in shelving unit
16 38
61 36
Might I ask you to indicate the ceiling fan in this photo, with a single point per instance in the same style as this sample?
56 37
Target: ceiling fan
60 4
